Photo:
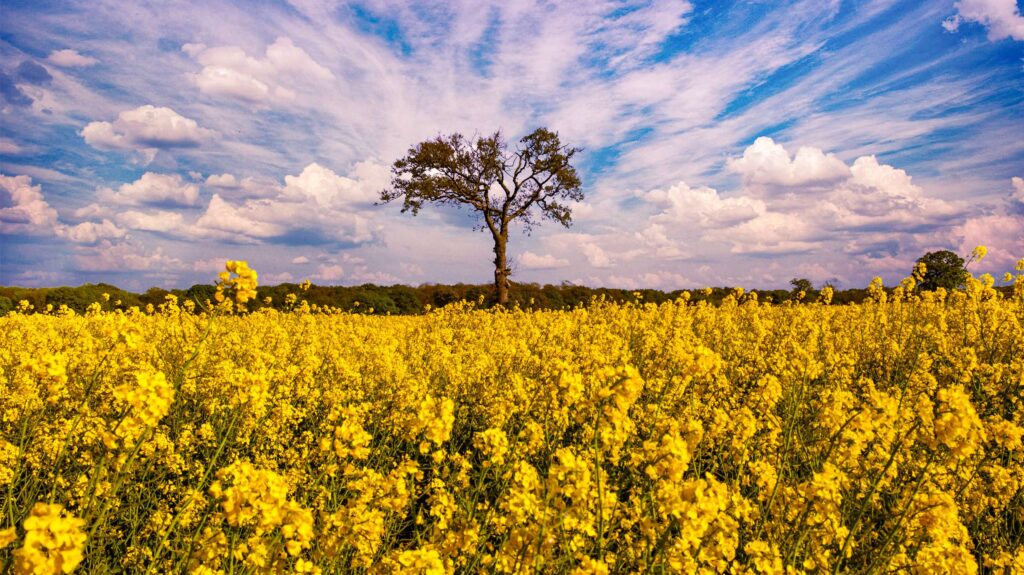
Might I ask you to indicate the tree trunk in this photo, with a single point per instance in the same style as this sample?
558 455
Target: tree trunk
501 270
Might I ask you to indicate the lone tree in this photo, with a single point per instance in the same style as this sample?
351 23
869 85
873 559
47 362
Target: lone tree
943 269
533 180
801 285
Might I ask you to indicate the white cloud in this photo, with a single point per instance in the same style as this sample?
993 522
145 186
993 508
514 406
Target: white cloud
272 278
411 269
228 82
38 172
1018 190
123 256
300 260
39 278
70 59
152 221
222 181
209 265
766 162
146 129
247 187
329 272
771 233
816 204
93 210
704 206
1002 18
23 210
91 232
316 206
596 256
1001 234
9 147
530 260
242 221
229 71
329 190
664 280
153 188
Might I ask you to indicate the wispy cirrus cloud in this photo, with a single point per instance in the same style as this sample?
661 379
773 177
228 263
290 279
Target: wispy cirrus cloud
68 58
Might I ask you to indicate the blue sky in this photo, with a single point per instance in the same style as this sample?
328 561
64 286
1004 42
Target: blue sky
726 143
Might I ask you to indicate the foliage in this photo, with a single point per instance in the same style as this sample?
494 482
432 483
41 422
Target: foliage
802 288
534 180
672 437
405 300
943 269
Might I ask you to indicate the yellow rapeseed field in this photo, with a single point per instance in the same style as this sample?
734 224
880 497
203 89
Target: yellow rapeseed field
674 438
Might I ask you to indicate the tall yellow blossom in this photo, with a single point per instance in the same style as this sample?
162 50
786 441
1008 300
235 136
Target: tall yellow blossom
53 543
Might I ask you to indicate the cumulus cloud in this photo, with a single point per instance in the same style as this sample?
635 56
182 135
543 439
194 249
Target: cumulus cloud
153 189
329 272
530 260
324 188
665 280
589 248
300 260
146 129
1001 231
222 181
814 202
210 265
596 256
245 221
70 59
23 210
703 206
317 206
1002 234
411 269
93 210
231 186
766 162
1017 196
685 212
91 232
228 71
1001 18
123 256
278 278
163 221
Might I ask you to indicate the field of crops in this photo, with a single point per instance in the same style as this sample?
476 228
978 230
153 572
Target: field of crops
679 438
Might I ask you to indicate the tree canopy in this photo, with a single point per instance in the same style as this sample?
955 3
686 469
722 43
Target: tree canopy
531 181
943 269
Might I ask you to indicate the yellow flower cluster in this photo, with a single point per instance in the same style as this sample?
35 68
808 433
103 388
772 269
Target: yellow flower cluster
239 278
53 542
148 398
674 438
492 444
255 502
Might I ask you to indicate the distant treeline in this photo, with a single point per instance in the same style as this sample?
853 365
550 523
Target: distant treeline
396 299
